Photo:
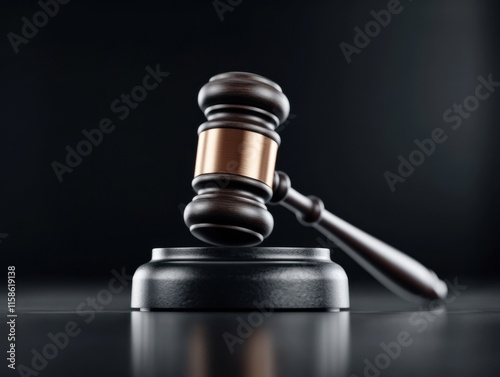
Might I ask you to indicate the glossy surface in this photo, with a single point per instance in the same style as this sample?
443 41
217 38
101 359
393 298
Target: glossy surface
461 340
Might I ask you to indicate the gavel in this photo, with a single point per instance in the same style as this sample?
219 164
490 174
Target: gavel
235 177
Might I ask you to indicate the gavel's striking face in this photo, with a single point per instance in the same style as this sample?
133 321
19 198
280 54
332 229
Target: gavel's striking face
235 161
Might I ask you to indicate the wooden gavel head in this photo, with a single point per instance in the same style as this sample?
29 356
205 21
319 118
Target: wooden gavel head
236 157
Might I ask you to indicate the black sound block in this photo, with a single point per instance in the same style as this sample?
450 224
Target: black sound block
229 279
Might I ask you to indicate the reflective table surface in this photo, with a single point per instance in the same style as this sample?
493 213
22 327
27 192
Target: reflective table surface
83 331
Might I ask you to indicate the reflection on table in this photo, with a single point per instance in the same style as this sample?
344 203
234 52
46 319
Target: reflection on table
249 344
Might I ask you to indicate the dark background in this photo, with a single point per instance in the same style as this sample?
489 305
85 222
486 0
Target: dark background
350 124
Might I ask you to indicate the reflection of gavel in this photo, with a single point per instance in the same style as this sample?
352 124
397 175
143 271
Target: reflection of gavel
235 177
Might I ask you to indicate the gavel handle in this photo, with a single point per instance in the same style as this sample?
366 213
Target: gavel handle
397 271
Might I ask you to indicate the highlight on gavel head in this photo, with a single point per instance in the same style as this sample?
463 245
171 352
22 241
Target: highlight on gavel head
235 160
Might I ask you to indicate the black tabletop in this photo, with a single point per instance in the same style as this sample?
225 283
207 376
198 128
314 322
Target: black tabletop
80 331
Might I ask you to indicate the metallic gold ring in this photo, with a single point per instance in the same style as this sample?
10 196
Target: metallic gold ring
236 151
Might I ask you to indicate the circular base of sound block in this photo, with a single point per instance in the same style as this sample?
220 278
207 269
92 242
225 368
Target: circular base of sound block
230 279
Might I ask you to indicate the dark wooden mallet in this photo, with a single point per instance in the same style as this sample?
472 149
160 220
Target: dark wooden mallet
235 177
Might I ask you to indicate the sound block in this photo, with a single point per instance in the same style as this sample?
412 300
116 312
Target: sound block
240 279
